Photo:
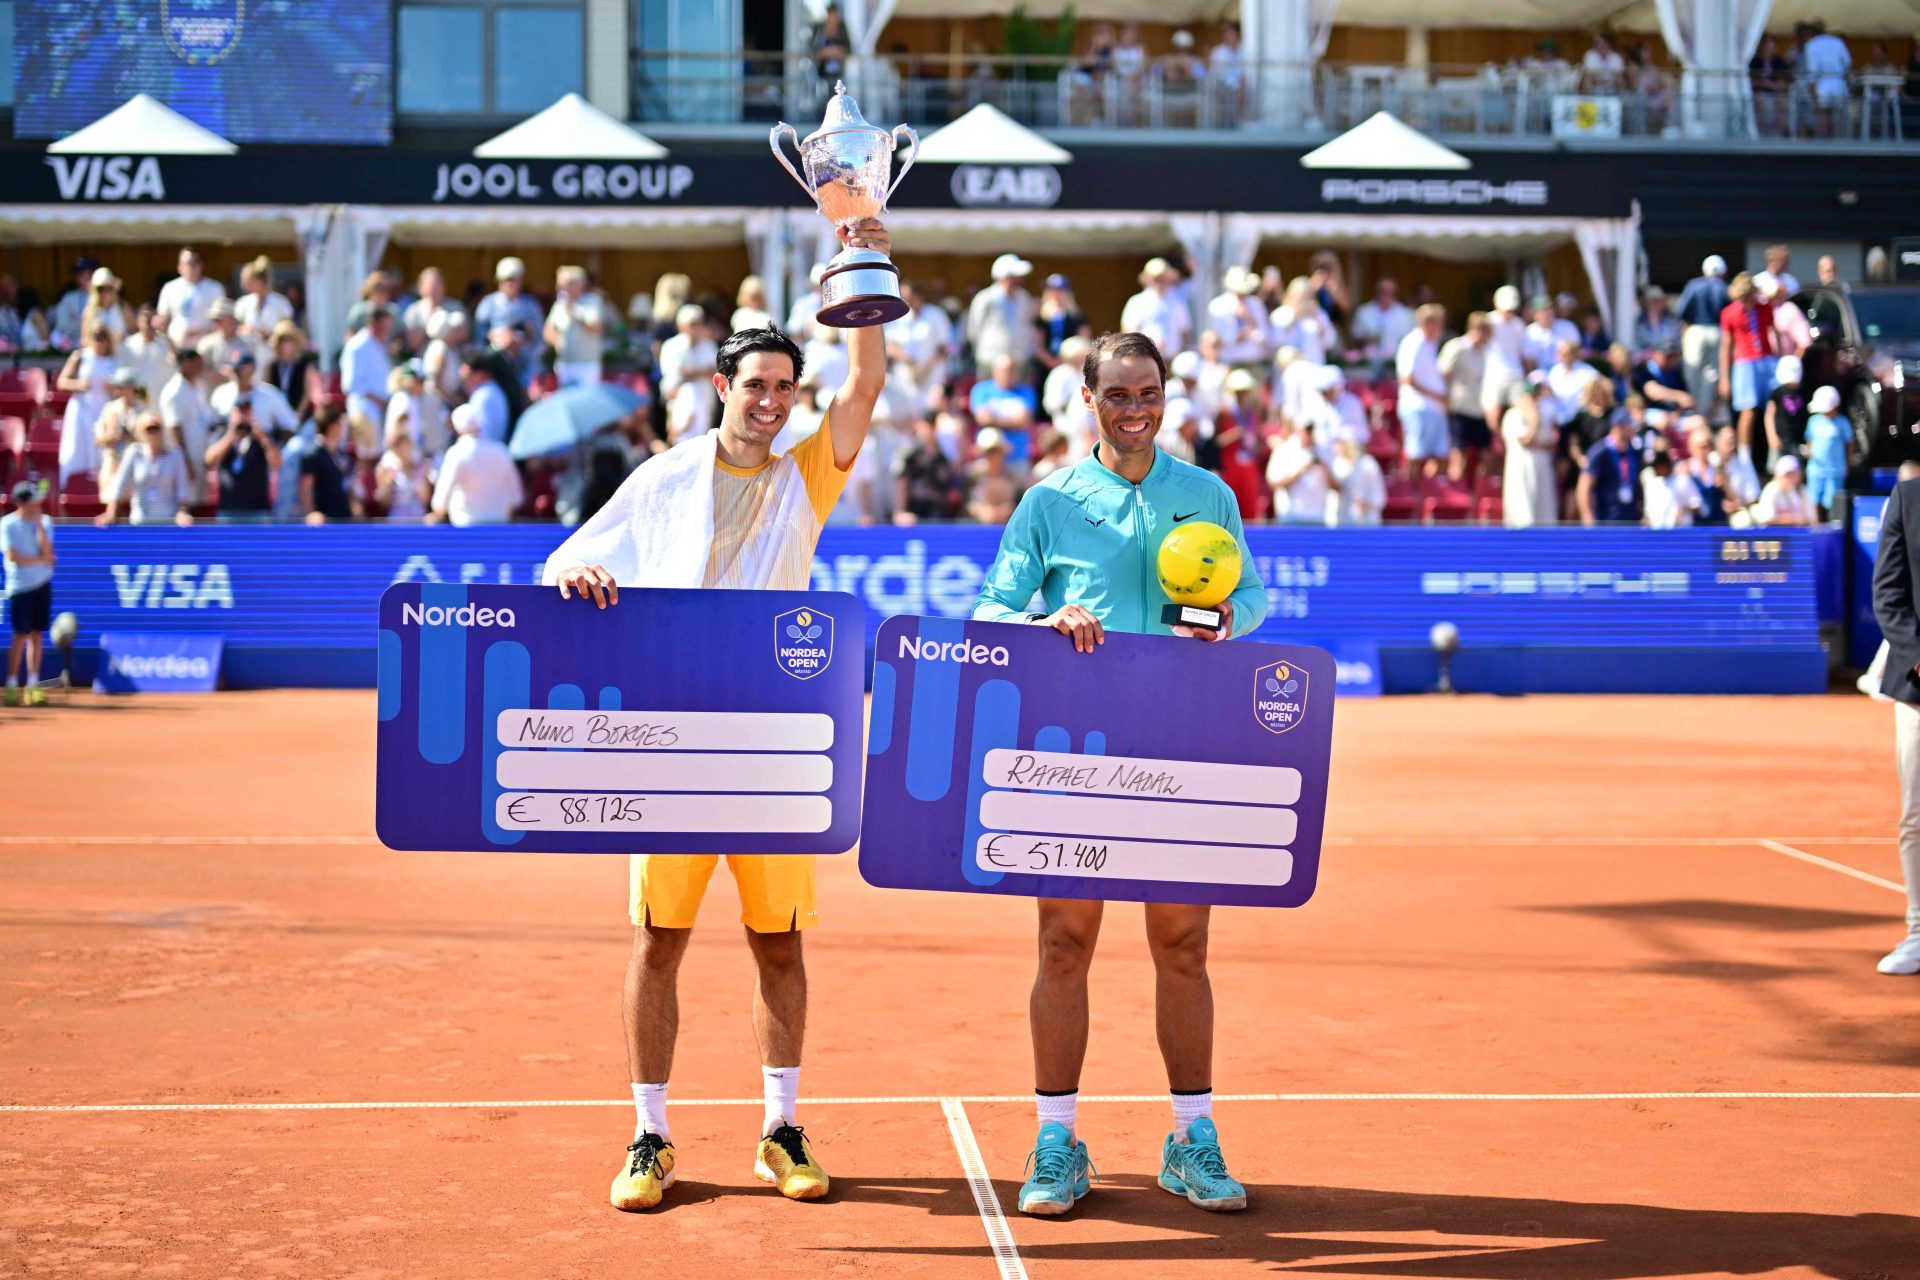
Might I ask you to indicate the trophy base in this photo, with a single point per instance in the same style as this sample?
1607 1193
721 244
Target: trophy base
1186 615
859 289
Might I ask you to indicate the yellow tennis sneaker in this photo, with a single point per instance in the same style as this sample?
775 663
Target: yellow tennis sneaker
787 1162
646 1175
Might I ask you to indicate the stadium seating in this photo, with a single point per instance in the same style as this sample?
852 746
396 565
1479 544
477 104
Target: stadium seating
80 499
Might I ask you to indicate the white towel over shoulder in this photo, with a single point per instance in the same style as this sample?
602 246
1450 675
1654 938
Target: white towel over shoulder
657 529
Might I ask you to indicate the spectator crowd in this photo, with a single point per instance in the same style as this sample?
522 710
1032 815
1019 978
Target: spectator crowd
1315 403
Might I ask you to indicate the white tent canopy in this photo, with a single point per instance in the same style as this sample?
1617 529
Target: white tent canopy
1384 141
987 135
144 223
143 126
571 129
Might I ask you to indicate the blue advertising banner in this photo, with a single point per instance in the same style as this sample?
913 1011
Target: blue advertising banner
1154 769
1863 635
670 722
1561 609
157 663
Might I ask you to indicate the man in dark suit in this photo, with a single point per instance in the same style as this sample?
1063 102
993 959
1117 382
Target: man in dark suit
1895 573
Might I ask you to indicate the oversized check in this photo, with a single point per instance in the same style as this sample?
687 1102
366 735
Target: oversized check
671 722
1155 769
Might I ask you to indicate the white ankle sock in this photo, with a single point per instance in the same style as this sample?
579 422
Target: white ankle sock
1057 1108
780 1086
1188 1107
650 1100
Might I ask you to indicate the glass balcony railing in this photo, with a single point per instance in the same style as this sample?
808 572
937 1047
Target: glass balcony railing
1550 103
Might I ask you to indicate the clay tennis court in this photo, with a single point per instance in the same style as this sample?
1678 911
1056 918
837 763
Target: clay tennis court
1587 992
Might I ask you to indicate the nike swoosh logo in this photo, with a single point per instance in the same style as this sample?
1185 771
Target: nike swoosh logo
1190 515
1095 523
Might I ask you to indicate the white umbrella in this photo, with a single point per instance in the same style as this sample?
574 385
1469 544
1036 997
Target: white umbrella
571 129
143 126
1383 141
987 135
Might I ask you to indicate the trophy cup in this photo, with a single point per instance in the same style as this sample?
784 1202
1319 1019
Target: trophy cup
846 162
1199 566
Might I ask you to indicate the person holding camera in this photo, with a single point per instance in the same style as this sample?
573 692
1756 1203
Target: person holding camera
245 458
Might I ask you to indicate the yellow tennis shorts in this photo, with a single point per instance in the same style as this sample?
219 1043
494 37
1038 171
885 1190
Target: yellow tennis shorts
776 891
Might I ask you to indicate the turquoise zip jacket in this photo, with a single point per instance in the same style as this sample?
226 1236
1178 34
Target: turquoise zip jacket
1088 536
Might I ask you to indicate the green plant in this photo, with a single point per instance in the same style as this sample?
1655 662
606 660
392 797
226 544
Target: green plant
1032 42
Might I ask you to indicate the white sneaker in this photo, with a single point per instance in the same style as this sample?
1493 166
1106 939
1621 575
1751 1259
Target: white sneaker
1903 959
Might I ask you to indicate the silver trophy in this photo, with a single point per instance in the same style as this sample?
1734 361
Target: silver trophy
846 162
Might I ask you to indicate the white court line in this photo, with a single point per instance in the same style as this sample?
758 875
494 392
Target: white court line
1021 1099
1384 842
1830 864
1006 1255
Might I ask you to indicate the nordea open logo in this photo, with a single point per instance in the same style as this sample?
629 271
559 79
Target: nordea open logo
466 615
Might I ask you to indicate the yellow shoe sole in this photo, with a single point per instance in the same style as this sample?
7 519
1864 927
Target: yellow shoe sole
638 1203
805 1191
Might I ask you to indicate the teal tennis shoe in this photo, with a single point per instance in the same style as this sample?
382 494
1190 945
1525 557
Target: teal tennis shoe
1062 1172
1196 1169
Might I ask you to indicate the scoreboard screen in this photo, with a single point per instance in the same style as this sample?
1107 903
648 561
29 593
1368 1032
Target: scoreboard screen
250 70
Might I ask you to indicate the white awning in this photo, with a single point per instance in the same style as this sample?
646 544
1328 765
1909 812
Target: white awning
987 135
143 126
571 129
144 223
1855 17
605 227
1090 233
1384 141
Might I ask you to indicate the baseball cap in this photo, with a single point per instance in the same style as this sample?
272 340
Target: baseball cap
509 269
1241 380
1766 282
239 356
124 376
1058 281
222 309
466 420
1183 39
1010 264
1785 463
1789 370
1824 400
1239 280
1186 365
84 264
103 276
989 439
1506 298
1540 301
1155 268
1713 265
26 491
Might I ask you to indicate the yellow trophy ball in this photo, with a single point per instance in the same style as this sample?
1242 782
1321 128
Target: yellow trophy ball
1199 564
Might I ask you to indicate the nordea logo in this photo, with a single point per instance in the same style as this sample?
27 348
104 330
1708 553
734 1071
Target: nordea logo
953 651
465 616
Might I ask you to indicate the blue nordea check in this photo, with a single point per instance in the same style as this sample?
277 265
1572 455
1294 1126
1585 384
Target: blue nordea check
672 722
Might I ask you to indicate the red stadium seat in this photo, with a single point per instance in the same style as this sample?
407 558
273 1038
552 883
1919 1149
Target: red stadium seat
1403 500
30 381
19 404
13 435
43 443
1445 500
1487 502
80 499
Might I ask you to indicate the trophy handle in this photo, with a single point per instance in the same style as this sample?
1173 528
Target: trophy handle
773 140
913 152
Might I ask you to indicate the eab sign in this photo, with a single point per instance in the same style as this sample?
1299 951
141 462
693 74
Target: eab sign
1578 116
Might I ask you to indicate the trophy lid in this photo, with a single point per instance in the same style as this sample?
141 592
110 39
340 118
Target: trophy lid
843 115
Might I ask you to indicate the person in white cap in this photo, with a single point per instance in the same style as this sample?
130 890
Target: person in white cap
1506 363
1158 310
509 319
1787 410
225 340
1701 303
1002 318
1829 448
478 482
1246 336
1785 500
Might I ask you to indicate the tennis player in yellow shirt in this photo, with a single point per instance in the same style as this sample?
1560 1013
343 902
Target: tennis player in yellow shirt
767 512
